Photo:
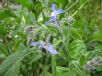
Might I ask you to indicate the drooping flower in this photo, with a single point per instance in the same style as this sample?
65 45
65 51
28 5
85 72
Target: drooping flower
47 47
70 19
93 64
54 13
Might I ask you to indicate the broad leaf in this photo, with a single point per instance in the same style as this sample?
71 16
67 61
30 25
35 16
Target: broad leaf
6 13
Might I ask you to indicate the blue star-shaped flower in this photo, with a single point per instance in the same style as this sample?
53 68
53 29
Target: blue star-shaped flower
47 47
54 13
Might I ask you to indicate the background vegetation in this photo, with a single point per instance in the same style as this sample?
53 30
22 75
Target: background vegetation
78 41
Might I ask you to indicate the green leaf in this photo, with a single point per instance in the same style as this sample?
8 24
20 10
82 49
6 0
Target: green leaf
3 31
96 36
15 58
63 71
13 70
10 61
35 57
45 71
61 2
25 3
99 68
5 14
82 1
76 34
3 49
77 48
37 8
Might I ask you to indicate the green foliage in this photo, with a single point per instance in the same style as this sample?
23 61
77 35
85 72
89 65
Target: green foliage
4 49
77 40
6 13
14 61
78 49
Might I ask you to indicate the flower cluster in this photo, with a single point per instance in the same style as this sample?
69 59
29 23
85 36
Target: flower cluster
48 46
93 64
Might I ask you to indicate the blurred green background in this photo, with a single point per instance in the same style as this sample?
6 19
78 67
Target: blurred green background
78 41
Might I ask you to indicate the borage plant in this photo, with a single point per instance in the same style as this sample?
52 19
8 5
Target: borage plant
64 45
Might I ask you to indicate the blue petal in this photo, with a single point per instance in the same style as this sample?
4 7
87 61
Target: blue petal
35 44
60 11
53 18
53 7
51 50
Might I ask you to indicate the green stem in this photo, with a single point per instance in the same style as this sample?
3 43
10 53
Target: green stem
63 40
79 9
72 6
53 64
68 42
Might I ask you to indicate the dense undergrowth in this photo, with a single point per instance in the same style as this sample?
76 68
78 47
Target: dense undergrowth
50 37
